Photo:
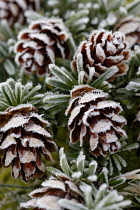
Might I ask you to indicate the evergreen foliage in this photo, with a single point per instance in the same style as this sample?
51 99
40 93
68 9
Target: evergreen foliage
75 64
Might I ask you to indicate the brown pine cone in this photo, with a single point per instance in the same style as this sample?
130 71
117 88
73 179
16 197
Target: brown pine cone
13 10
52 191
130 26
40 44
94 121
103 50
24 139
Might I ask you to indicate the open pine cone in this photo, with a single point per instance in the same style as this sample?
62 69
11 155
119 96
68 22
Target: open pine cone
24 138
39 45
13 10
130 26
95 121
103 50
52 191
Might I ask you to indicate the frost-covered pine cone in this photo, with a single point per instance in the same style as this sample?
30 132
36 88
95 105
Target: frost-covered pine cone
24 139
52 191
13 10
94 121
130 26
39 45
103 50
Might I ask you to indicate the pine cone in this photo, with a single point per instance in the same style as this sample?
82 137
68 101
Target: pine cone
94 120
13 10
52 191
40 44
130 26
103 50
24 138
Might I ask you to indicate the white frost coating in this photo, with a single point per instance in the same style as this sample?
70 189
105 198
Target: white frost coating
14 123
28 64
24 31
133 86
79 87
72 100
16 135
28 204
74 113
93 142
115 59
105 36
101 126
91 97
31 44
39 190
73 187
100 53
54 184
86 188
77 175
89 114
108 104
24 141
34 142
111 137
92 178
48 202
120 130
38 129
61 48
16 171
111 48
82 134
9 140
20 107
40 36
50 53
117 118
53 143
9 158
13 9
88 52
106 147
26 56
27 157
39 57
